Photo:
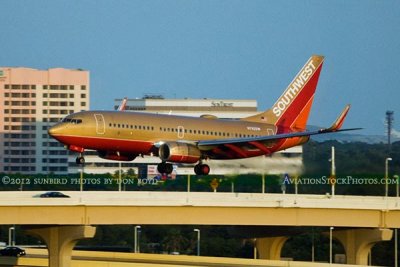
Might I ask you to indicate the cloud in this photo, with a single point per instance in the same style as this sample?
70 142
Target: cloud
395 133
277 164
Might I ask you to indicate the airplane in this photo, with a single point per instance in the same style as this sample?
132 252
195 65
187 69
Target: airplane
122 136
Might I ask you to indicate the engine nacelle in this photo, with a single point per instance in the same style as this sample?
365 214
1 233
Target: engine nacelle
111 155
179 152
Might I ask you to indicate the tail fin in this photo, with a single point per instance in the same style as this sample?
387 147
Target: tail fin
292 108
122 106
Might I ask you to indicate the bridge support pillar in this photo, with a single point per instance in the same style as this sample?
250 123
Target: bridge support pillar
61 240
270 248
358 242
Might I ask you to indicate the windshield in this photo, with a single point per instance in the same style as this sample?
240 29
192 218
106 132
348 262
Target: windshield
73 121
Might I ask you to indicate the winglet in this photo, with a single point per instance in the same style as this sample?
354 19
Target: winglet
339 121
122 106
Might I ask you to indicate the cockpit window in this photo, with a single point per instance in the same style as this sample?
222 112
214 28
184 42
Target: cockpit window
72 121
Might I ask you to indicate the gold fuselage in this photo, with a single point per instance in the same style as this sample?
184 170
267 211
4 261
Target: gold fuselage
138 133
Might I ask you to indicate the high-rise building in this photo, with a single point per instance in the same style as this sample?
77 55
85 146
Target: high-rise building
31 101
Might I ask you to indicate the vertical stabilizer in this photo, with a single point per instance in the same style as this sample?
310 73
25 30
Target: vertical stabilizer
292 108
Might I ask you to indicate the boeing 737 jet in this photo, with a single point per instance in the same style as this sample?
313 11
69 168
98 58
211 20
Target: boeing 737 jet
122 135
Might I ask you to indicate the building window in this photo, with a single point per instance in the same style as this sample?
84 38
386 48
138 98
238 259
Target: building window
83 87
83 104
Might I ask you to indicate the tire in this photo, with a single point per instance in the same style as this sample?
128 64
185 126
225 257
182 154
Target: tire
80 160
202 169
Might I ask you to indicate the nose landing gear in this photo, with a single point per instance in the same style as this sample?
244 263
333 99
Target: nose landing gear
80 160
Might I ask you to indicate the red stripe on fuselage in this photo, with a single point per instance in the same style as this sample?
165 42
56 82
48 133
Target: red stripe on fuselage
107 144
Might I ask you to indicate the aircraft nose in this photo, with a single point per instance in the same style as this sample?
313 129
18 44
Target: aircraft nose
54 130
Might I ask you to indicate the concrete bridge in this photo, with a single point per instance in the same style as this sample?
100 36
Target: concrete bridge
61 222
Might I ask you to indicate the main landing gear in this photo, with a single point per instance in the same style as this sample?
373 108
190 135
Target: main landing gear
164 167
199 169
202 169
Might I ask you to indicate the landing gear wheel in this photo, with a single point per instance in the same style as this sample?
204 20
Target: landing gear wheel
202 169
80 160
166 168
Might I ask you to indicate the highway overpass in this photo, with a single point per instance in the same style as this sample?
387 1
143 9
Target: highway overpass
60 222
181 208
38 258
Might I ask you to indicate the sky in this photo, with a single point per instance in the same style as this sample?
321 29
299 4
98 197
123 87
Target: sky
217 49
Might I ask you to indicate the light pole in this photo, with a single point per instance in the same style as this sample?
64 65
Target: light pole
136 242
188 183
81 179
263 183
119 176
11 236
330 245
333 171
396 257
198 240
387 175
312 246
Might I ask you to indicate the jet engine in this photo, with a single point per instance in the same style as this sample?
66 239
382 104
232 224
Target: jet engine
113 155
179 152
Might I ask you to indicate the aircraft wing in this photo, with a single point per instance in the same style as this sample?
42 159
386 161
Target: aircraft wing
245 146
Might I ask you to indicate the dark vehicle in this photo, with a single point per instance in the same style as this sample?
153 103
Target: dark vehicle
12 251
53 194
